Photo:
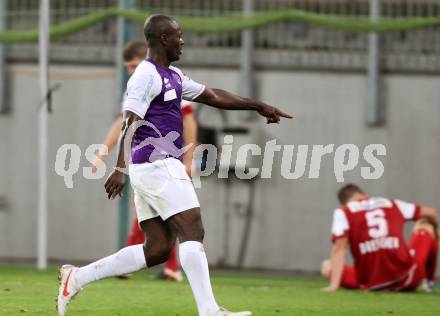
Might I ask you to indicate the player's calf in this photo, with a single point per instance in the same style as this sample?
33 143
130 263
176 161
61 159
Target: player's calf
159 241
157 253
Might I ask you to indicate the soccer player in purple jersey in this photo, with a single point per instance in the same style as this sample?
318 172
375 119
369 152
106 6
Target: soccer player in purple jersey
166 203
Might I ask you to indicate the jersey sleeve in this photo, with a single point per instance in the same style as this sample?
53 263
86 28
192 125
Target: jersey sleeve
186 108
190 88
340 226
142 88
409 211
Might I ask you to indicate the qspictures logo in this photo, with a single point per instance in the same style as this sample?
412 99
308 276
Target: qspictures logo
297 161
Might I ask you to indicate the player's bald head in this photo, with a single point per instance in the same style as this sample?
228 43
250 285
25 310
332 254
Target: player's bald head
156 26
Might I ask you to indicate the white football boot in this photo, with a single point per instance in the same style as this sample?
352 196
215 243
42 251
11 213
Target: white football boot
171 275
427 286
68 288
224 312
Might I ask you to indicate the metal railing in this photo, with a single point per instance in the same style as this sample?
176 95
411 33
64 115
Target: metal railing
281 45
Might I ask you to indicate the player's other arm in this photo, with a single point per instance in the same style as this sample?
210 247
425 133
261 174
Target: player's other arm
228 101
340 229
337 259
112 136
189 137
116 180
110 141
431 216
422 214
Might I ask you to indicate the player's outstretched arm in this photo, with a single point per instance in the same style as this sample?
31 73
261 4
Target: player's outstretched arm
228 101
337 259
116 180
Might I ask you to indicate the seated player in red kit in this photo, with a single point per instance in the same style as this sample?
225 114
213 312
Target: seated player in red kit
373 229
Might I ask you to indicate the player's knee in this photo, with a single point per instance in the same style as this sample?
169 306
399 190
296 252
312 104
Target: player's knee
197 233
200 234
164 251
194 232
157 254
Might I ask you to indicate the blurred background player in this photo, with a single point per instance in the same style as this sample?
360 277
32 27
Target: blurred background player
373 228
134 53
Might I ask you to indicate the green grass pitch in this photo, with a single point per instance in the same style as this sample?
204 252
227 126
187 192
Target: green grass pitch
24 291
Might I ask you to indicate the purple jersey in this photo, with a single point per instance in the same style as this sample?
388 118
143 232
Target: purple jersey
154 93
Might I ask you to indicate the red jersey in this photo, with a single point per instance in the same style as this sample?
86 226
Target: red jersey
374 228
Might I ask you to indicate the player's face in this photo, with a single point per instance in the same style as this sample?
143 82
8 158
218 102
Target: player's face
358 197
174 43
131 65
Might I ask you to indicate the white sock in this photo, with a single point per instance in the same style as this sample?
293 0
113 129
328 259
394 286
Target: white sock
127 260
194 263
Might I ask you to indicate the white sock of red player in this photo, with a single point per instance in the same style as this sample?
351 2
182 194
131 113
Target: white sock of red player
195 265
127 260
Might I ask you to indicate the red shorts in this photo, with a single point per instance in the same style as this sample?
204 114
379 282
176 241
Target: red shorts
349 278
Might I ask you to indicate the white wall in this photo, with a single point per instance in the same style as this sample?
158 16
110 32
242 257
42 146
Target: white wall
291 229
82 223
292 222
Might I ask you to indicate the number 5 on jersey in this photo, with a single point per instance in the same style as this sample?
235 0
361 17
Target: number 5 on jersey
377 223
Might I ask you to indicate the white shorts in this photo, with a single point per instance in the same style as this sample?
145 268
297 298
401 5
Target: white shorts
161 188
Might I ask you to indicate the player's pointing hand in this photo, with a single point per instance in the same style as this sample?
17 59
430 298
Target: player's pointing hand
114 184
272 114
